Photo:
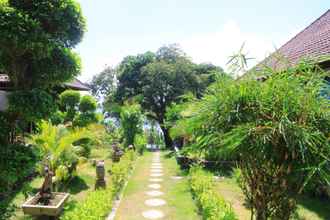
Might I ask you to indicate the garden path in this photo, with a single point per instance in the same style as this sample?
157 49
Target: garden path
153 193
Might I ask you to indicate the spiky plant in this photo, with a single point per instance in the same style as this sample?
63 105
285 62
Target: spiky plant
278 131
56 146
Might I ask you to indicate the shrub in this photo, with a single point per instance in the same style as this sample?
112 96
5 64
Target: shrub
119 171
211 204
16 169
85 119
131 120
69 100
96 206
31 105
99 203
87 104
140 142
56 146
276 130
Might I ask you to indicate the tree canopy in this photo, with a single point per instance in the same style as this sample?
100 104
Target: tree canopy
36 39
157 80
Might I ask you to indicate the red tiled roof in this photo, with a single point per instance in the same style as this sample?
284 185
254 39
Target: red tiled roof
313 42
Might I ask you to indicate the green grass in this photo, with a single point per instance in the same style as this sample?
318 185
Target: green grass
180 204
308 208
78 187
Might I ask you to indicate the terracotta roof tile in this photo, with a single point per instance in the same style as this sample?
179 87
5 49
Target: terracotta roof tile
313 42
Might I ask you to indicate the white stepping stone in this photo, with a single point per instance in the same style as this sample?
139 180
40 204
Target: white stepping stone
155 202
154 186
153 214
156 174
155 180
156 164
156 170
154 193
177 177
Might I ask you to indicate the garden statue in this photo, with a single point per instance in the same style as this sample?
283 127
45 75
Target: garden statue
100 174
46 189
117 152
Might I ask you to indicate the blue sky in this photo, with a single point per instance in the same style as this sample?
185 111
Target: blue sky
207 30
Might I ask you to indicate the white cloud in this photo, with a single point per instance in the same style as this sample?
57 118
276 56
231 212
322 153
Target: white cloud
212 47
216 47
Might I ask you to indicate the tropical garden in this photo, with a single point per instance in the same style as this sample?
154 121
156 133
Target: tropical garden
256 147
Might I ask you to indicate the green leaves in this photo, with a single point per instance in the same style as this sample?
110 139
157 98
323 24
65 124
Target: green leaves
36 40
211 203
276 130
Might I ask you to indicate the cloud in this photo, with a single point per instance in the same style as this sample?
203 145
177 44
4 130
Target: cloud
211 47
216 47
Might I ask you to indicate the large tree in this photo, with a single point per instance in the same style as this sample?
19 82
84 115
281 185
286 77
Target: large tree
36 39
156 80
36 42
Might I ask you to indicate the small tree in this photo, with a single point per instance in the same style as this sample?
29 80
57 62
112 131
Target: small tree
69 100
87 115
277 131
131 120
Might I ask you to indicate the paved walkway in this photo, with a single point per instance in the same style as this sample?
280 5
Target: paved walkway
154 192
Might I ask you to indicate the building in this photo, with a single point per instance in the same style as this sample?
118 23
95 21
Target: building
312 43
6 87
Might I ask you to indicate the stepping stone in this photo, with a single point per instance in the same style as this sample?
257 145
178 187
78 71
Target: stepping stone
154 186
156 174
155 180
156 164
177 177
153 214
156 170
154 193
155 202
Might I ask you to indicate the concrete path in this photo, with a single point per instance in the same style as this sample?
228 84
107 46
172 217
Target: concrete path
153 193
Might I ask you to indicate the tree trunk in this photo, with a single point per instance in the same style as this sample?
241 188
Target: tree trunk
167 137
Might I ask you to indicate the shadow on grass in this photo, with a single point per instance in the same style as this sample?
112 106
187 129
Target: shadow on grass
77 184
317 205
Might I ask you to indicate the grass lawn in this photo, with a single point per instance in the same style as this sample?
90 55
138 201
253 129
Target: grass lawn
78 187
308 208
180 204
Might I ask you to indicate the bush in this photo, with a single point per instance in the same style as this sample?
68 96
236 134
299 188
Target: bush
69 100
17 162
31 105
140 142
87 104
99 203
96 206
211 204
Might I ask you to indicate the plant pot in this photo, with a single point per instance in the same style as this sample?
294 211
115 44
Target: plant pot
31 206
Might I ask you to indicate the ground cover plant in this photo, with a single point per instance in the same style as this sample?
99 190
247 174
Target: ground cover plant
212 205
98 203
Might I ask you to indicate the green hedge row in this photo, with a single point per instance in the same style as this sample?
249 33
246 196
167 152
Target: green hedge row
99 203
212 205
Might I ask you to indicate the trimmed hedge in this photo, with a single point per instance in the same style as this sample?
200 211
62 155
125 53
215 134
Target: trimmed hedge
99 203
212 205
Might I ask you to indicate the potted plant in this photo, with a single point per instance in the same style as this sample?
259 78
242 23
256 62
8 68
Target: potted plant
59 159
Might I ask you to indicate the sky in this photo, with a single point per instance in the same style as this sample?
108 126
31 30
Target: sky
209 31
